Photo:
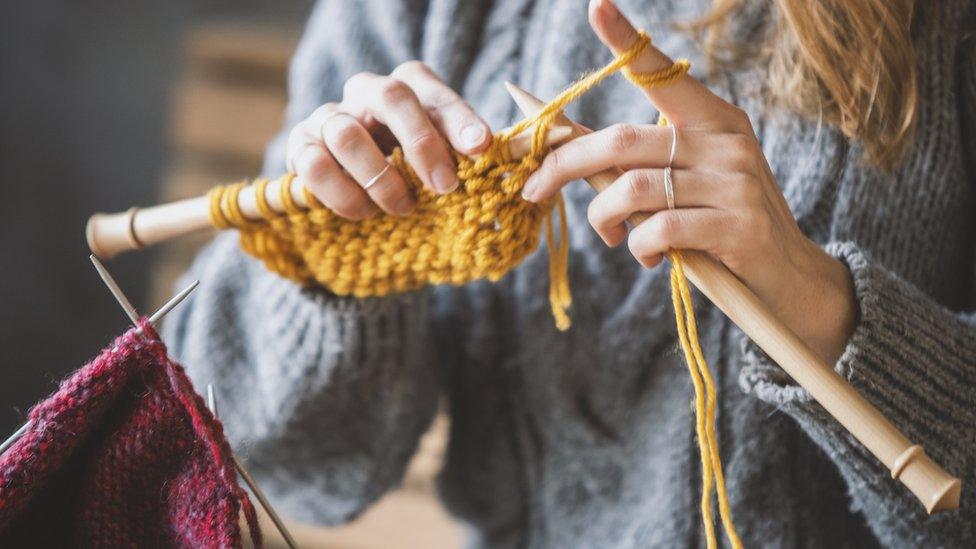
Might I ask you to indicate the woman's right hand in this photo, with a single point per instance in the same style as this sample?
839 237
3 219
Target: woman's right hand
341 147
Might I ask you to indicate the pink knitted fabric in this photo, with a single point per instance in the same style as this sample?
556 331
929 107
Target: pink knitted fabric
124 454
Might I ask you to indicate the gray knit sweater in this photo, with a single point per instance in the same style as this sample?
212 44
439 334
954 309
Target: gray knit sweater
586 438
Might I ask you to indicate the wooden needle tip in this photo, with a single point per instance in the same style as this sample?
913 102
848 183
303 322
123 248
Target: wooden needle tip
527 103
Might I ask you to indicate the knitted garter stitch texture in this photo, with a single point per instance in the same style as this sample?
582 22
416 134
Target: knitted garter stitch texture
483 229
124 454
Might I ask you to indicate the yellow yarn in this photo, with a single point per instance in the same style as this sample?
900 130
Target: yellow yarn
482 230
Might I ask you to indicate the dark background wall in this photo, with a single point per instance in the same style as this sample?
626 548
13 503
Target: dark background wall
84 97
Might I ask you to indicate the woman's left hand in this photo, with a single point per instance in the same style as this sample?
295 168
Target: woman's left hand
727 202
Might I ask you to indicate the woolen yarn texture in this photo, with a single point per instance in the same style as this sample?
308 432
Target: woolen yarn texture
586 438
123 454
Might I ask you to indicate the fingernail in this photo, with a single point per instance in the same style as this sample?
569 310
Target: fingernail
444 179
473 135
404 205
528 191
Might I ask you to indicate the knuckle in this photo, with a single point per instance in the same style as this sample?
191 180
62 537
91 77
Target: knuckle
423 141
321 111
668 225
294 141
741 153
412 67
551 166
343 134
639 245
595 215
314 171
740 118
443 100
393 92
745 191
638 184
355 82
623 137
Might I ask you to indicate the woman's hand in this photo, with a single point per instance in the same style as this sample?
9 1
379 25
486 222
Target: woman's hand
339 151
727 202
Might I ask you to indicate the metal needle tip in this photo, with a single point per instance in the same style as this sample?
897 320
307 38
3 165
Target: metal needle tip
113 287
13 438
158 315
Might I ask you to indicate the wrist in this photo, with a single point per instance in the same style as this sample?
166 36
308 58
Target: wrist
833 307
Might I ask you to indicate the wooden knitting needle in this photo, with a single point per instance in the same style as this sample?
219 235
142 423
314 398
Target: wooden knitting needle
111 234
258 494
130 312
937 489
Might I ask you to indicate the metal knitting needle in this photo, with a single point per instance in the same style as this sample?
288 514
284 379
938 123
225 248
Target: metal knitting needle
258 494
113 287
173 302
13 438
130 311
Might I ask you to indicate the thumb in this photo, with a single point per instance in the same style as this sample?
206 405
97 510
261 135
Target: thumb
686 101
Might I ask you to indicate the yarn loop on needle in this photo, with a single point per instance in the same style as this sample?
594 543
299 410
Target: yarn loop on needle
483 229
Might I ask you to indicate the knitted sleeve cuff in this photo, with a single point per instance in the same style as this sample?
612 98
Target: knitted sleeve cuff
912 359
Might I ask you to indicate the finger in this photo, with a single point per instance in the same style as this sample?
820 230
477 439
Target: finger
688 228
355 150
643 190
306 133
455 119
620 145
396 105
685 102
321 174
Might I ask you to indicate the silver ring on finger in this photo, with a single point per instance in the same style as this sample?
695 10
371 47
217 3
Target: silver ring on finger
674 144
669 187
372 180
668 181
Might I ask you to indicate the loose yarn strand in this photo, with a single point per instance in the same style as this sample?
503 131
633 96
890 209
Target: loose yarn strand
482 230
705 402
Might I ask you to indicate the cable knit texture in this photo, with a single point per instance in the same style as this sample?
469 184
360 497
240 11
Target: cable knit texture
124 454
585 438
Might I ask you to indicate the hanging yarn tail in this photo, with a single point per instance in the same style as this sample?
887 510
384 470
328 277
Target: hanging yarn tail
560 298
705 398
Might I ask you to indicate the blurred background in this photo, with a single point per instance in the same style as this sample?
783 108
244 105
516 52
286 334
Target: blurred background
109 104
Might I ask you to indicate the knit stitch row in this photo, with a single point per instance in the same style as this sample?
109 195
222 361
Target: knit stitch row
484 229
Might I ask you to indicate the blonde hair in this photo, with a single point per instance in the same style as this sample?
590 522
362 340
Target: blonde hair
849 63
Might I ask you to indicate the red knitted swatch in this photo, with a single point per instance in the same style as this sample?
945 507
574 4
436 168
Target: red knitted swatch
124 454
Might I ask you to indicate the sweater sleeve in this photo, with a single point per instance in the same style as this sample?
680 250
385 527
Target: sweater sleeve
323 397
916 362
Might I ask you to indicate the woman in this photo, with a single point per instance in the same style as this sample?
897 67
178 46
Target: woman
831 170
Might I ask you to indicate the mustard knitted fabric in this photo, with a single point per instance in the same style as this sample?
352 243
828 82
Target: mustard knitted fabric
483 229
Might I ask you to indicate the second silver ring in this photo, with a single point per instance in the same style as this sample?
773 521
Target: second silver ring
668 181
669 187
